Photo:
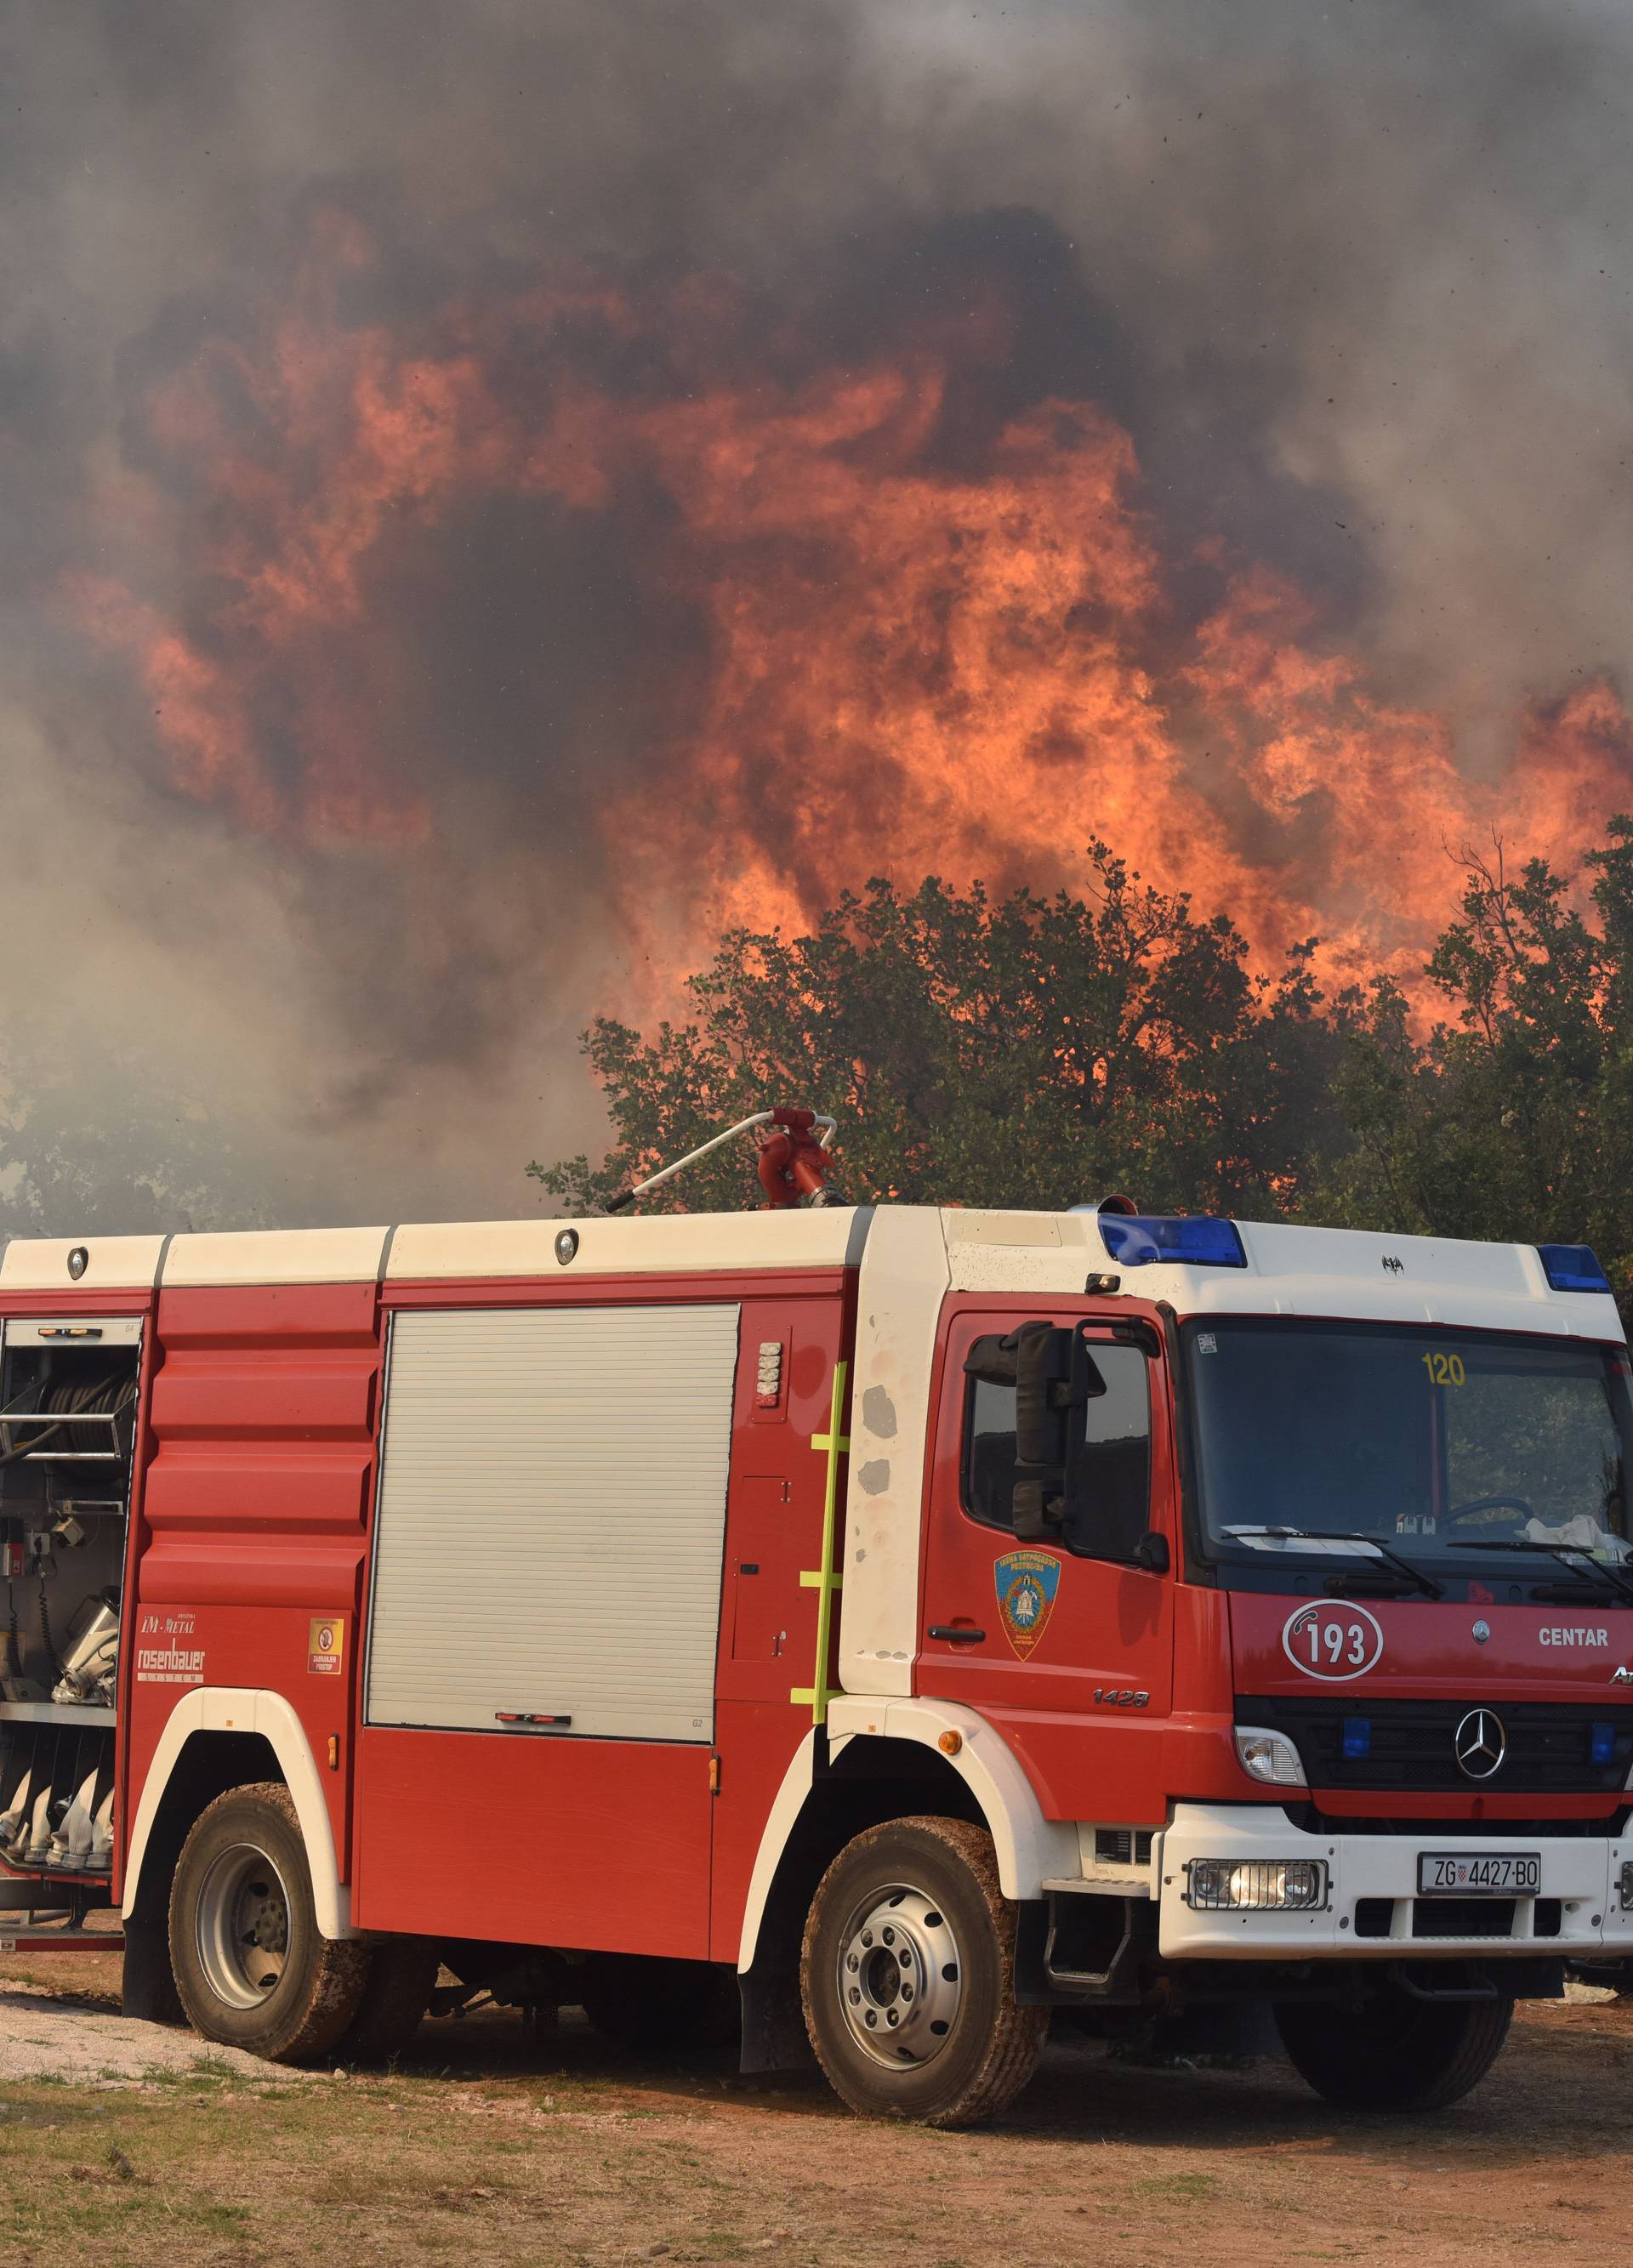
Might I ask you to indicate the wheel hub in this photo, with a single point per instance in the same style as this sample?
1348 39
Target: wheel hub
242 1926
900 1979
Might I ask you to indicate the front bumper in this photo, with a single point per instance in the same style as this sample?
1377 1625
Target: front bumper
1580 1893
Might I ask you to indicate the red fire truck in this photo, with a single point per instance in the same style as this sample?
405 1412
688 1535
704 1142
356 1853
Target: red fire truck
931 1619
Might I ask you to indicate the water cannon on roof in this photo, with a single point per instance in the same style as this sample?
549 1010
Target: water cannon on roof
793 1158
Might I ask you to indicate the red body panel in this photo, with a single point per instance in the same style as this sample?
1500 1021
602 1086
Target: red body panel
1110 1631
621 1846
602 1844
1190 1649
1429 1651
252 1500
262 1420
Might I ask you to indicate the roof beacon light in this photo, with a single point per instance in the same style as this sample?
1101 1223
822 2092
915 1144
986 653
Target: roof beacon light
1183 1241
1572 1268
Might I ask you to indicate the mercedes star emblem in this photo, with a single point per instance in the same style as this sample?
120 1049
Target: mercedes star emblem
1480 1744
1483 1632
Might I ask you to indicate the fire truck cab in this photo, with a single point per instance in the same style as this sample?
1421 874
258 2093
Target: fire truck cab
929 1619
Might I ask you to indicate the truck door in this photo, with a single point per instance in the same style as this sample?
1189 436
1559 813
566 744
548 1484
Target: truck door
1048 1640
538 1749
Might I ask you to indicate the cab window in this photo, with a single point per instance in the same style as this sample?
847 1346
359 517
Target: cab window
1108 1490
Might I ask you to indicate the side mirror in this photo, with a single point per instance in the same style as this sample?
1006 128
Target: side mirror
991 1361
1052 1374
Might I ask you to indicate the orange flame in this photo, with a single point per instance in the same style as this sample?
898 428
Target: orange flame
909 667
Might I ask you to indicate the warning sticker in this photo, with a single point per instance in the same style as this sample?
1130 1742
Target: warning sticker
326 1644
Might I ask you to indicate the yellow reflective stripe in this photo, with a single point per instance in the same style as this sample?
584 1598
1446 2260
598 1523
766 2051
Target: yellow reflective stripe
826 1579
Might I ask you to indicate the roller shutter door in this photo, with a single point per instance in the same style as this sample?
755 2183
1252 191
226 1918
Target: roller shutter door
551 1518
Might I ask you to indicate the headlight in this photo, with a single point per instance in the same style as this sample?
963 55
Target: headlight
1255 1885
1269 1756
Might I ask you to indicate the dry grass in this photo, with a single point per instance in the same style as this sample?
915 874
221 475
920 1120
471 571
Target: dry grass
491 2148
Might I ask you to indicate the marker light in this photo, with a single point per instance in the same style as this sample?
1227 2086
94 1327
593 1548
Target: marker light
1255 1885
1186 1240
1572 1268
1603 1749
1269 1756
1358 1738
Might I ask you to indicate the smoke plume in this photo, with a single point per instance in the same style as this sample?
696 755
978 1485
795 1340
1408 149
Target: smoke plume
495 491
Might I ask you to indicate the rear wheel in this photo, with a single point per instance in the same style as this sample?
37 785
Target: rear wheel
1396 2053
251 1967
907 1973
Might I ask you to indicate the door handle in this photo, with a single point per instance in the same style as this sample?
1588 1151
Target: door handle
955 1633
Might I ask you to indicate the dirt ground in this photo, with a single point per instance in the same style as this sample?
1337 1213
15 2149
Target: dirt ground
490 2146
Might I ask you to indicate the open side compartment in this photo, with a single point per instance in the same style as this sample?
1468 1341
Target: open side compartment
67 1404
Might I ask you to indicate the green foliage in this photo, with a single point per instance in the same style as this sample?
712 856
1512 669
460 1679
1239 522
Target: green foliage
1027 1051
1040 1051
1510 1118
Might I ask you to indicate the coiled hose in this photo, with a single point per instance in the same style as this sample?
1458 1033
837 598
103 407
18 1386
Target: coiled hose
106 1395
91 1396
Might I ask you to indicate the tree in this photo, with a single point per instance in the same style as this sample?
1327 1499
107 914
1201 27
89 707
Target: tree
1513 1118
1024 1051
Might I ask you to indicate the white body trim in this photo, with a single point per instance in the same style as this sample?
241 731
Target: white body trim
1583 1872
113 1263
278 1255
248 1708
781 1822
667 1244
1031 1850
899 1291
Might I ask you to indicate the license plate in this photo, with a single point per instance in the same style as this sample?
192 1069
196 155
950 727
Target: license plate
1479 1873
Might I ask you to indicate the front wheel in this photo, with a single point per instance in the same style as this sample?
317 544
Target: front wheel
907 1975
251 1967
1396 2053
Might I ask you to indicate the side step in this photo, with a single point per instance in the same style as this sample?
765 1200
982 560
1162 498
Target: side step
45 1940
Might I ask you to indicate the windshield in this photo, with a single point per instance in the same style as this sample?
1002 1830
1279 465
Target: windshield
1428 1440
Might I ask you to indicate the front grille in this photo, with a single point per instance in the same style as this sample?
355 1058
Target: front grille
1122 1846
1462 1917
1374 1916
1409 1744
1601 1825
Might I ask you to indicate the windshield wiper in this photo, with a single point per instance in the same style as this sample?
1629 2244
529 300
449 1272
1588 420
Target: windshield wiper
1616 1585
1415 1576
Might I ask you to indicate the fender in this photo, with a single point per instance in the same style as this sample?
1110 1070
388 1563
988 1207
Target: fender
246 1709
1031 1849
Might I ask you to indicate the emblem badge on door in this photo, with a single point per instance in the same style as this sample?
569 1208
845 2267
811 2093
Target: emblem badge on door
1026 1582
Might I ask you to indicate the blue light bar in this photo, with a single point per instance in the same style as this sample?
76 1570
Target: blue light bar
1604 1744
1185 1239
1358 1738
1572 1268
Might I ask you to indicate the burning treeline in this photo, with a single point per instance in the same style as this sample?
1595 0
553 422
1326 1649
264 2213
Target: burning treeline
730 603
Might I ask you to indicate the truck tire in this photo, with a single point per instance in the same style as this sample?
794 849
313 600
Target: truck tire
1397 2053
643 2002
907 1976
251 1966
402 1975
